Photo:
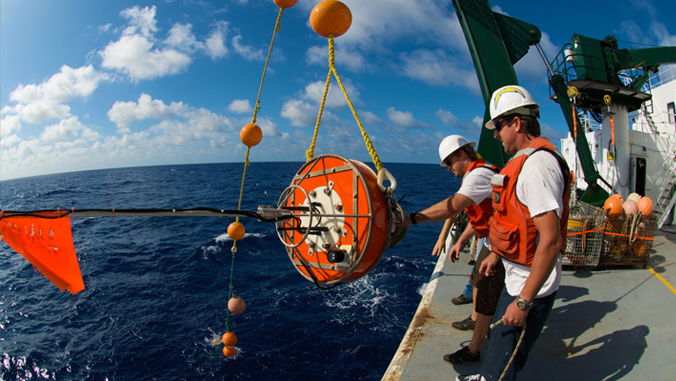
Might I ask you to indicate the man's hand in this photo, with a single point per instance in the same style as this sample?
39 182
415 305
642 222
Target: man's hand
454 254
488 265
514 316
407 221
439 247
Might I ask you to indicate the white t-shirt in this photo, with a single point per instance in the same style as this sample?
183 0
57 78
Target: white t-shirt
540 188
476 185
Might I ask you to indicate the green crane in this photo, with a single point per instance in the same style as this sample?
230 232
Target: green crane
497 42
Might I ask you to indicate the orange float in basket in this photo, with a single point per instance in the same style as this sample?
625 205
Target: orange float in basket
619 197
613 206
645 205
343 222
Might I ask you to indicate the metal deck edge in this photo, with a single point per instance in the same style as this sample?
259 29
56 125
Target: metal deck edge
401 357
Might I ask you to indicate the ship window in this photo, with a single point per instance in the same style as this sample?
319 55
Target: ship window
671 110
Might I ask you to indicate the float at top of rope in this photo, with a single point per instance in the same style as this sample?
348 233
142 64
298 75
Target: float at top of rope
330 19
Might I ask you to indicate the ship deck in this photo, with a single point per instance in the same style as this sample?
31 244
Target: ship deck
615 323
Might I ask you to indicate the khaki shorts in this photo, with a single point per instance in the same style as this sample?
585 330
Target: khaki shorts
488 288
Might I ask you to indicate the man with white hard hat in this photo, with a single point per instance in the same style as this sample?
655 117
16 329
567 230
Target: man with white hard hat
527 232
457 154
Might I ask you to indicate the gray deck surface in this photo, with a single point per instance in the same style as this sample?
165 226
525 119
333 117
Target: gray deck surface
606 325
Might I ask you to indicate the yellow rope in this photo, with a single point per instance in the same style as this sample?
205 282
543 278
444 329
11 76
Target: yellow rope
260 89
311 152
332 69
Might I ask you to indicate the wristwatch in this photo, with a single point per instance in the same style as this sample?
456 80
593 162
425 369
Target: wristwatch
523 304
413 221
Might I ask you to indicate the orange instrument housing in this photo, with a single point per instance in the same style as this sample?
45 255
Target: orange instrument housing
342 223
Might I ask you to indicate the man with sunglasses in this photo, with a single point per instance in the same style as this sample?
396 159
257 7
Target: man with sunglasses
457 154
527 231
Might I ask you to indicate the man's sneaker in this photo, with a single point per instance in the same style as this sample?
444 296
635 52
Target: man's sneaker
465 325
460 300
470 377
463 356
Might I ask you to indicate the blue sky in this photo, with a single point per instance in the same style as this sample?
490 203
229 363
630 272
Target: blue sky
102 84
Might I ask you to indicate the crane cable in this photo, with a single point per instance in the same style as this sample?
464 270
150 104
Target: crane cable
332 70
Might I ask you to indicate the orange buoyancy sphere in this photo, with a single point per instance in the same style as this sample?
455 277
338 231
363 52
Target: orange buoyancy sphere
619 197
229 339
236 305
613 206
630 207
229 351
236 231
251 135
285 3
330 17
645 205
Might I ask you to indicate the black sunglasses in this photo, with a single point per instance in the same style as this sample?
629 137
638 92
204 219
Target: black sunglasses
498 123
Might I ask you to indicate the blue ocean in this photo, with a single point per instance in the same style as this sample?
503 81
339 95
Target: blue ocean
157 287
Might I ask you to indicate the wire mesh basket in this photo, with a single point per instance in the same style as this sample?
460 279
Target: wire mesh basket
628 240
584 242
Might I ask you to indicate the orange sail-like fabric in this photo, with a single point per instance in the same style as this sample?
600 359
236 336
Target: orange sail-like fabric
47 243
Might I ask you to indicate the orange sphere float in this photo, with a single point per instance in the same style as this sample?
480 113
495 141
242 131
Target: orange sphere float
613 206
251 135
236 231
330 17
229 339
236 305
285 3
630 207
619 197
645 205
229 351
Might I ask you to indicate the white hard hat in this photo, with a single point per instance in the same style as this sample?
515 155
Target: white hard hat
511 100
451 144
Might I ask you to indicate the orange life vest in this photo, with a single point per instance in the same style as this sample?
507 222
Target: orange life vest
479 214
512 231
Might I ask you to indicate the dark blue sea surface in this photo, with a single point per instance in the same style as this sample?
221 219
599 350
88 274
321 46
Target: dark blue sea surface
157 287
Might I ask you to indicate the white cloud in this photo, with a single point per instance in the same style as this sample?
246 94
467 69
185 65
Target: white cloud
124 114
201 124
532 65
663 36
436 68
215 42
240 106
335 97
402 118
299 113
447 118
249 53
370 118
141 21
10 124
182 38
39 103
66 129
134 55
